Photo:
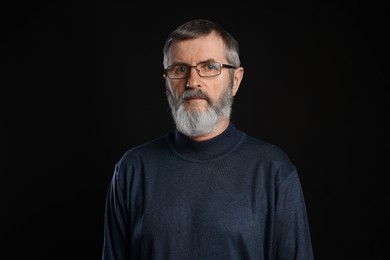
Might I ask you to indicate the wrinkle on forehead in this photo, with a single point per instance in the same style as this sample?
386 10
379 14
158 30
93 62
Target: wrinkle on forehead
193 51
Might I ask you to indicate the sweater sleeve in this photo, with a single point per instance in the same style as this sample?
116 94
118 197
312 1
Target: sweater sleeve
291 239
115 243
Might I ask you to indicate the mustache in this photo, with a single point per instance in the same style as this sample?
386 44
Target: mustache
194 93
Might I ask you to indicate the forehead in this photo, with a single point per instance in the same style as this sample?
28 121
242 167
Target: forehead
209 47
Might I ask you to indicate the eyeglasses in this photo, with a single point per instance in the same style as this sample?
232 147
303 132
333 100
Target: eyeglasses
204 69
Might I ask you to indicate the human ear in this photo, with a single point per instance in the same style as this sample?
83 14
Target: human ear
238 75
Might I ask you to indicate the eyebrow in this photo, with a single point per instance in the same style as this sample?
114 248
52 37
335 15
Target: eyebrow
186 64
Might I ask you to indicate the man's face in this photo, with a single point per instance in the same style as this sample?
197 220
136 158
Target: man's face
192 52
199 103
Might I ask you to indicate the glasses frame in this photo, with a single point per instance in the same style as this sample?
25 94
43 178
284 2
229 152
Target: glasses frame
221 65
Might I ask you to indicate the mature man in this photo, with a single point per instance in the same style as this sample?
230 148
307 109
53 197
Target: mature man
205 190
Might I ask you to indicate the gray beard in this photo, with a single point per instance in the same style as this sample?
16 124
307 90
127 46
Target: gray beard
192 122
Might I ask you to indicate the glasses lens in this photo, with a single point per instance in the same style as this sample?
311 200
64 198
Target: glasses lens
177 71
204 69
209 69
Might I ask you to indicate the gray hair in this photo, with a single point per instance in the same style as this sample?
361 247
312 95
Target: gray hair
202 27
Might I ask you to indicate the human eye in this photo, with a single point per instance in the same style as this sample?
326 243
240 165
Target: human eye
181 69
178 70
210 66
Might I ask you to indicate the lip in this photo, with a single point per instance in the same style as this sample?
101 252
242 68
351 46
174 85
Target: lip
192 98
195 99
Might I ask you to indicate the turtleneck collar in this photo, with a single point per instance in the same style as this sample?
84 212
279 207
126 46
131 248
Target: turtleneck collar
217 146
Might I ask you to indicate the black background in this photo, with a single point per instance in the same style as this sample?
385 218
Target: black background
82 82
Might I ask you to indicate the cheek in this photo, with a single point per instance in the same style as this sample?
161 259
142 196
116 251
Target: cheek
219 89
176 88
217 97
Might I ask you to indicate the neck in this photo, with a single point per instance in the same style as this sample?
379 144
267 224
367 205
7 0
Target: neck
221 126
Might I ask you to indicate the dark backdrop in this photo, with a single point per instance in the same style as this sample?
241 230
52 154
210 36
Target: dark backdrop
82 83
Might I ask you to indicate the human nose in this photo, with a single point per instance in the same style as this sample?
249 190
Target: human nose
193 77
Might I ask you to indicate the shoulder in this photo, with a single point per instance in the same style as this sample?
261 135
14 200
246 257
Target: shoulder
131 164
149 149
269 157
265 150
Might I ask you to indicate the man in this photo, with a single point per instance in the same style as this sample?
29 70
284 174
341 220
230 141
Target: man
206 190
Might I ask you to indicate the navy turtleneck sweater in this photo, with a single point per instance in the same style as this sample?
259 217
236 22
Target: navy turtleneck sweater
230 197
